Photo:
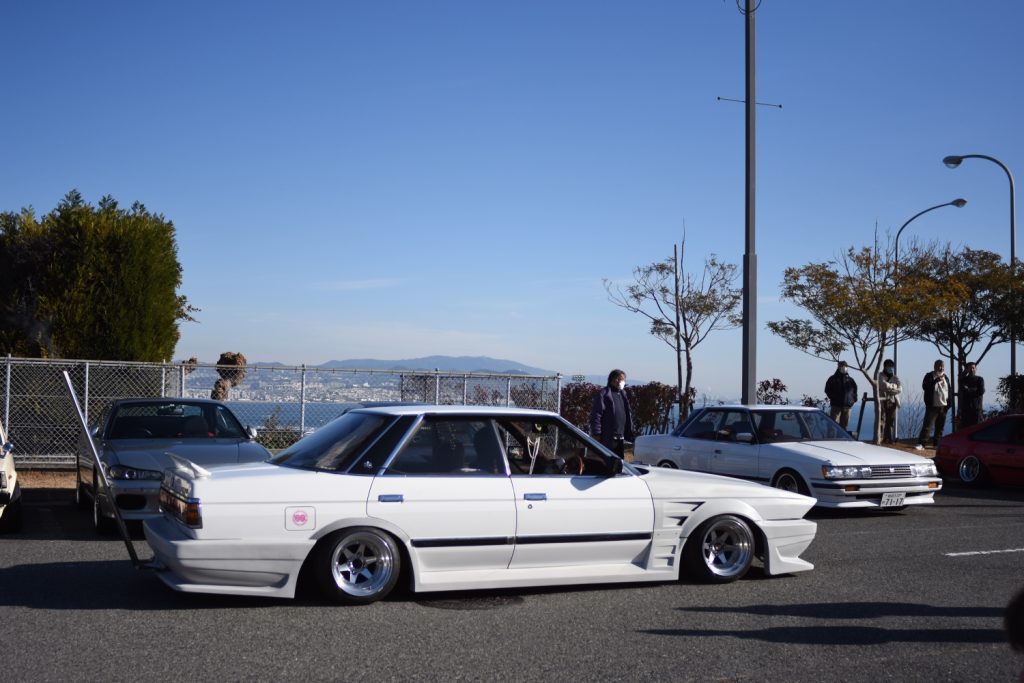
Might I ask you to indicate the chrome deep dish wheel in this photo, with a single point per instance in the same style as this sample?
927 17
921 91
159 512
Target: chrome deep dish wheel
359 566
970 470
721 550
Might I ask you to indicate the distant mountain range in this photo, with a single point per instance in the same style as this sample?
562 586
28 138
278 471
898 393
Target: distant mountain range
467 364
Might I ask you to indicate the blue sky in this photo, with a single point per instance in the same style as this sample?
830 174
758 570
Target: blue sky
401 179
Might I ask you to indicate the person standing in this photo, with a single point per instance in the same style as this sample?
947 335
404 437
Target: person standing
841 391
611 420
936 402
972 388
889 389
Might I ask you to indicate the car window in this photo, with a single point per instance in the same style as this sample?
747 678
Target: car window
336 445
734 422
226 425
777 425
705 426
548 447
161 420
450 446
1004 431
820 427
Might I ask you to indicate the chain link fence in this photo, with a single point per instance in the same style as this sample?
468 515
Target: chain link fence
281 402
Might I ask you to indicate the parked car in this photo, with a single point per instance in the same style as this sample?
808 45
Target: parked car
10 489
988 453
796 449
456 497
134 439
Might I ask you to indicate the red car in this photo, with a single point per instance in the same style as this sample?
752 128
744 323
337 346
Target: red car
990 452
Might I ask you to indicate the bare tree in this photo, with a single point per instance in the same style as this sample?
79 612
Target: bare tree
682 309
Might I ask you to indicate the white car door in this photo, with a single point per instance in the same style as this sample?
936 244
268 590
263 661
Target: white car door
732 457
569 510
449 490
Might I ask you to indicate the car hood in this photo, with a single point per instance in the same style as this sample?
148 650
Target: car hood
848 453
151 454
770 502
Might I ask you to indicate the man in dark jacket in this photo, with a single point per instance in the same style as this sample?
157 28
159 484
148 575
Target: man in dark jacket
611 421
972 388
841 391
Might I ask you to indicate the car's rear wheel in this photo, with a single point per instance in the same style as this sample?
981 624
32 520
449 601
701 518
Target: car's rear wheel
357 566
971 471
721 550
12 517
668 465
788 480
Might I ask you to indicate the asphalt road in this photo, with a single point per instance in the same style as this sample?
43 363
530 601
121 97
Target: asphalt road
889 599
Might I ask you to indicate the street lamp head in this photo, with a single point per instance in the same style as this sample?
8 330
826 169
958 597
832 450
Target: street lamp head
952 161
959 203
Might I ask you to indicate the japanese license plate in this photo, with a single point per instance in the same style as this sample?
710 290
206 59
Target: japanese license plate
892 500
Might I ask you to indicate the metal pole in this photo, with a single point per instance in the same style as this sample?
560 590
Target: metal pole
302 401
86 410
749 380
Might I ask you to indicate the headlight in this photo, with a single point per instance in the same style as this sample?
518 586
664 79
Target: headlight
133 474
847 472
925 469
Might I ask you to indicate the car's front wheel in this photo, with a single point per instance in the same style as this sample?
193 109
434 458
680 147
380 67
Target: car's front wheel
81 495
788 480
103 525
720 551
971 471
357 566
668 465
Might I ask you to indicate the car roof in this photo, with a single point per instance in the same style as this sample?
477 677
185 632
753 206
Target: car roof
421 409
167 400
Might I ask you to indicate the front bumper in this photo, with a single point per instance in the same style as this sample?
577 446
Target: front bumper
136 500
267 567
867 493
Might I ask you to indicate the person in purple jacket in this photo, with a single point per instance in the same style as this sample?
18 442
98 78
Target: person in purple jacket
611 420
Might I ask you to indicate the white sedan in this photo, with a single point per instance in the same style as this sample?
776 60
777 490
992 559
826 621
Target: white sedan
795 449
452 497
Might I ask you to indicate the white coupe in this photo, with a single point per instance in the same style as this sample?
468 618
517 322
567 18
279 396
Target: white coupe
795 449
453 497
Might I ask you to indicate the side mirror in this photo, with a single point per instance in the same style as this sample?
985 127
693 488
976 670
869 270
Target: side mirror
251 433
615 467
8 447
744 437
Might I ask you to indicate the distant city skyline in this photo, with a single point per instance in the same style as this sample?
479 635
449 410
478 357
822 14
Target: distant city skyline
405 179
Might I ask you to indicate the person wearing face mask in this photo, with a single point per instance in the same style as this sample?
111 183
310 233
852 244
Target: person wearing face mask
611 421
889 389
972 388
936 402
841 391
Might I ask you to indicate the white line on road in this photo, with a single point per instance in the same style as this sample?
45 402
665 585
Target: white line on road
985 552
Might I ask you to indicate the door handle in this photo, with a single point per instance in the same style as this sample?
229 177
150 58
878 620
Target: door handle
677 448
535 496
718 452
391 498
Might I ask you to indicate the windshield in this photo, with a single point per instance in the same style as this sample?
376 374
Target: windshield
336 445
797 425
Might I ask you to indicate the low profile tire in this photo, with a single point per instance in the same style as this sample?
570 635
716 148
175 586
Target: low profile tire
668 465
103 525
788 480
720 551
357 566
971 471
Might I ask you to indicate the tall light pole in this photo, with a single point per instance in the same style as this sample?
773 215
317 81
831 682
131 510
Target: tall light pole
958 203
749 388
953 162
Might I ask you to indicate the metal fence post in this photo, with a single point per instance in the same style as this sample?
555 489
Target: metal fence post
508 392
302 401
85 411
437 386
558 393
465 389
7 398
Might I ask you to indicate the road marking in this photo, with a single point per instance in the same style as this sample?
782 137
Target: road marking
985 552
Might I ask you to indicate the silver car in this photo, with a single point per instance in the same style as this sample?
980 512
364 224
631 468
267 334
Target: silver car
797 449
135 441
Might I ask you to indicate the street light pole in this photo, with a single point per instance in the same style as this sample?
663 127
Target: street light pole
958 203
749 380
953 162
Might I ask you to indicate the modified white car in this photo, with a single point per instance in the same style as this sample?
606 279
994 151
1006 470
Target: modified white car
10 490
447 498
795 449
